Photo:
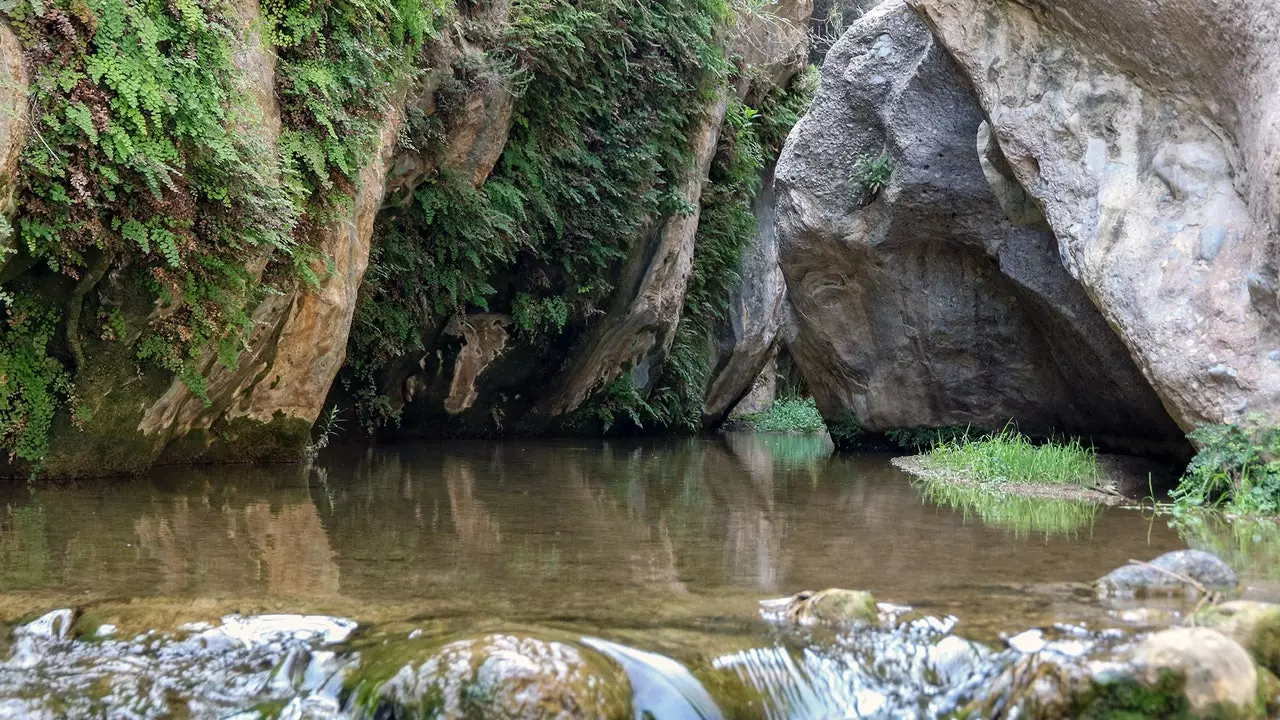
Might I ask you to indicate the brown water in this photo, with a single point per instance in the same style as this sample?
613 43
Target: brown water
609 531
662 546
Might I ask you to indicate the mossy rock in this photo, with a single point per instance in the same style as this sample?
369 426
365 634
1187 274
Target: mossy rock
1255 625
833 607
503 676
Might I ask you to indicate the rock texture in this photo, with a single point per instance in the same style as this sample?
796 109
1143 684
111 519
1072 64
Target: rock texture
13 127
1149 134
1165 575
264 407
921 304
745 345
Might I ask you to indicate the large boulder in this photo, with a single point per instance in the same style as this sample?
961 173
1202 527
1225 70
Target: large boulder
1172 571
917 301
1148 133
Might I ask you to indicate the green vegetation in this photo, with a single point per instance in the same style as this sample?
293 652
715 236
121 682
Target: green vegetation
610 92
923 439
151 162
749 140
1010 457
788 415
1236 470
1021 515
871 175
1251 545
847 432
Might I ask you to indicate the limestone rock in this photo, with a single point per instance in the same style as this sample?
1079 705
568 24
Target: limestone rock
919 304
832 607
13 128
1148 132
1255 625
637 330
1217 673
1160 575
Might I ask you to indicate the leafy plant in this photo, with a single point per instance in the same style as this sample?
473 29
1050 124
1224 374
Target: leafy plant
871 175
610 94
846 432
1237 469
33 385
795 415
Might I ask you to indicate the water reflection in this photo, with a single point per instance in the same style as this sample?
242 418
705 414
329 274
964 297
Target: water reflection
537 530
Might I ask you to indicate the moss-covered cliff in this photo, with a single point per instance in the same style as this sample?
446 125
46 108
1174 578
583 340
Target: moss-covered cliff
487 213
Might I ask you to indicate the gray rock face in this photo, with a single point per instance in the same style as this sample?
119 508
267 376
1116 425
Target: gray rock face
922 304
1148 132
1160 575
746 344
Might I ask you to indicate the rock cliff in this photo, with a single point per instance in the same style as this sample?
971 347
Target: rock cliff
1148 133
336 174
917 301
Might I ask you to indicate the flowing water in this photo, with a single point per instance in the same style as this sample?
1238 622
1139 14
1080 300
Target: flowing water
278 590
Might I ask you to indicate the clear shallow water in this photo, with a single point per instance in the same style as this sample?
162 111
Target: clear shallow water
663 547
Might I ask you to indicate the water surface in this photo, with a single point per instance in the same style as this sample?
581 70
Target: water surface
625 548
602 530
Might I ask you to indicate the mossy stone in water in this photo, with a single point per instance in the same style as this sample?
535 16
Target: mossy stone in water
1219 679
1255 625
498 677
832 607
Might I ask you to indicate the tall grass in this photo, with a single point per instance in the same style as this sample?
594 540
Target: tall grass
1010 457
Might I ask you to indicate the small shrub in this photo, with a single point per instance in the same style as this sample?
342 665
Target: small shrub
1010 457
1237 469
789 415
847 432
871 175
926 438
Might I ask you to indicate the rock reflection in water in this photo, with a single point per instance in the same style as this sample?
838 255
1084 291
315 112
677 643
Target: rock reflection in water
618 531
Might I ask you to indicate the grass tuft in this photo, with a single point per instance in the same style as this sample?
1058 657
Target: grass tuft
1010 457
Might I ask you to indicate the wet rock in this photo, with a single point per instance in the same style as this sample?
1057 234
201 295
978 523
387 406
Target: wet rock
832 607
1255 625
205 670
500 676
1215 672
1183 673
1162 575
917 302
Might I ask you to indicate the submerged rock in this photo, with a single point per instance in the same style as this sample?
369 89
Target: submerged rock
1166 575
832 607
500 676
